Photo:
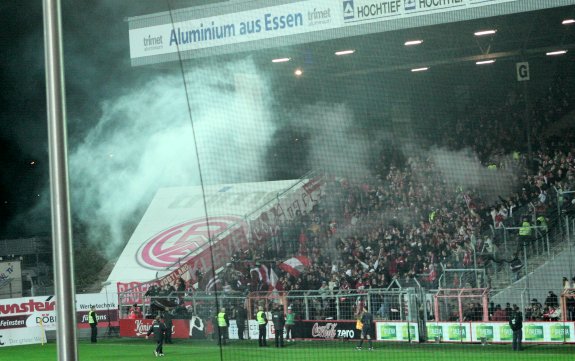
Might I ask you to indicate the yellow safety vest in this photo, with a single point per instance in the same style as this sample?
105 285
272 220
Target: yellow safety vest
542 223
525 229
222 319
260 318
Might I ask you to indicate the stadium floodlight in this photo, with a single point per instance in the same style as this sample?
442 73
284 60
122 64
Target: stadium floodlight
568 21
556 52
298 72
414 70
413 42
281 60
345 52
485 32
484 62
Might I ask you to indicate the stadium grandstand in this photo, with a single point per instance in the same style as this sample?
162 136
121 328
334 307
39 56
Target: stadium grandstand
414 160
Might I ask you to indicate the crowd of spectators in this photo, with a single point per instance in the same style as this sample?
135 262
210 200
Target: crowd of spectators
402 221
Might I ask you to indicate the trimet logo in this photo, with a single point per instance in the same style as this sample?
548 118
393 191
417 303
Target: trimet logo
348 10
153 42
180 242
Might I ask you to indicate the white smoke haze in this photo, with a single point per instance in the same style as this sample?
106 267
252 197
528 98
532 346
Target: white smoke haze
463 168
335 143
144 141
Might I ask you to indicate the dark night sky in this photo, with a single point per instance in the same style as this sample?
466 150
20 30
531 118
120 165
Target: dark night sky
96 67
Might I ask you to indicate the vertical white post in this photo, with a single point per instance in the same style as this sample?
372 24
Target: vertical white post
57 145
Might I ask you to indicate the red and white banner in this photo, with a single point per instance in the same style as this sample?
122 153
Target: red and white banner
140 328
167 241
295 265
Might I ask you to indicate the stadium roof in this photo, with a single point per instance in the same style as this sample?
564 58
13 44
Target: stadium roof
525 28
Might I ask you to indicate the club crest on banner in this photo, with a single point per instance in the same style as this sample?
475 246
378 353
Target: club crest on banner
180 242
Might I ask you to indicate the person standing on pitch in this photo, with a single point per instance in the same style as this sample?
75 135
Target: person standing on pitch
223 323
93 321
241 316
279 321
367 321
168 322
262 322
290 323
516 324
159 330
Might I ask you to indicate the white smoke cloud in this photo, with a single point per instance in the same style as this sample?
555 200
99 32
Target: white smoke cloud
336 144
144 141
463 168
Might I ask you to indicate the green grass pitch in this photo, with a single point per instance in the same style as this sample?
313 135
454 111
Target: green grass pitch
138 350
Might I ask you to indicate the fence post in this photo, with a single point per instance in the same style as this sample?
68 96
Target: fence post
337 307
306 303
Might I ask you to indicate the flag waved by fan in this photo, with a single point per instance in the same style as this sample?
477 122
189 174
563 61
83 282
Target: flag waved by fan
295 266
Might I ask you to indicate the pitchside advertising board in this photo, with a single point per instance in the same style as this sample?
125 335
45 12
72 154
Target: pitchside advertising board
30 312
22 336
396 331
500 332
282 20
175 239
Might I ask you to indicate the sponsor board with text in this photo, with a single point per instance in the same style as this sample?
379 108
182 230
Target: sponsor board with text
140 328
397 331
280 21
33 311
500 332
22 336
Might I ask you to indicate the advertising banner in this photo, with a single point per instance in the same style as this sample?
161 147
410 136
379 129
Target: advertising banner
449 331
22 336
282 20
106 309
326 330
31 311
500 332
396 331
201 329
140 328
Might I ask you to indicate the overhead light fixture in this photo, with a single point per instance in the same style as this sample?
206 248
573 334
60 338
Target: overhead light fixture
413 42
298 72
281 60
568 21
484 32
419 69
556 52
483 62
344 52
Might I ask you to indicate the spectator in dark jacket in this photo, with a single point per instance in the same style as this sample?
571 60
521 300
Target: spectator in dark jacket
516 324
159 329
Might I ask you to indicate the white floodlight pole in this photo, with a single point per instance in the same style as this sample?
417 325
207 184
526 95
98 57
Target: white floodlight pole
57 145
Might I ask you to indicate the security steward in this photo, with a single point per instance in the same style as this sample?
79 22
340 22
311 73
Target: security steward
93 321
278 318
159 330
223 323
525 231
262 323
